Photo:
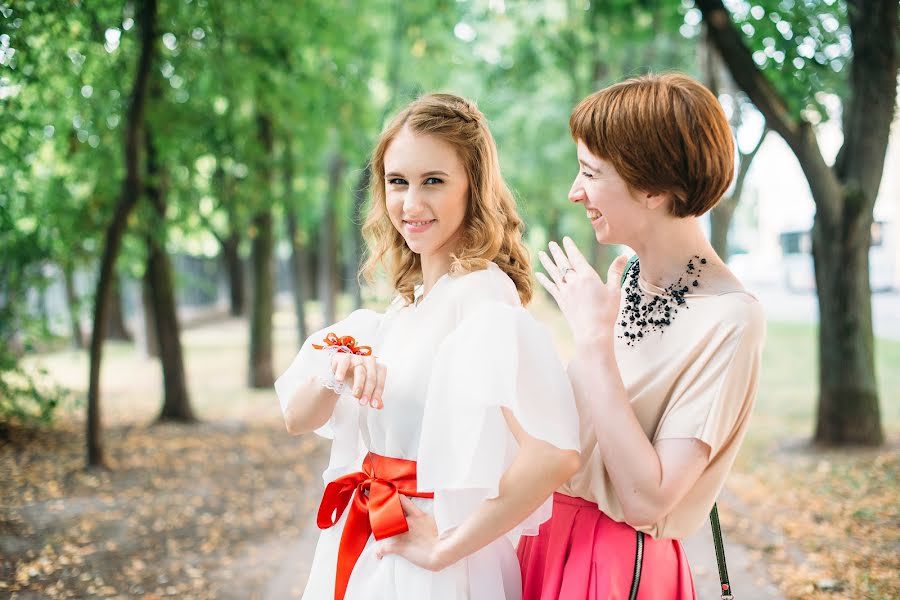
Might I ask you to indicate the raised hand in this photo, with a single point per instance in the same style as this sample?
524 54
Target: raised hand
589 305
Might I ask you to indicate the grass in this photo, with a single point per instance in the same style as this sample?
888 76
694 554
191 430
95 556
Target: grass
831 515
786 403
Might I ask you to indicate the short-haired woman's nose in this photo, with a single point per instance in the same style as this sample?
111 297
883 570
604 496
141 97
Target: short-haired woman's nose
576 192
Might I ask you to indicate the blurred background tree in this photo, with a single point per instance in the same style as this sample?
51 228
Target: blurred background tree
160 157
785 56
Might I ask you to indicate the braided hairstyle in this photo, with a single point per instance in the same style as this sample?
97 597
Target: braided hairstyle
492 229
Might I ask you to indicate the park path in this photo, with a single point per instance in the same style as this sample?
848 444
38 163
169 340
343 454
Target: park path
748 575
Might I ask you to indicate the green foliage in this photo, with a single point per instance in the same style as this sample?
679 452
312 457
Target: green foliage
22 398
327 74
802 46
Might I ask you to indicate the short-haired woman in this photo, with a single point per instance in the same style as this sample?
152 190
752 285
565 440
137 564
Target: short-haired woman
666 366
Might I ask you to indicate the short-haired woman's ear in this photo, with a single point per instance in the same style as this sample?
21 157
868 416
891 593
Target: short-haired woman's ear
655 201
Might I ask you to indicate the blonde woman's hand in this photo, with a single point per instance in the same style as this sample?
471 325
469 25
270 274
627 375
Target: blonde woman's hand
420 545
590 305
367 374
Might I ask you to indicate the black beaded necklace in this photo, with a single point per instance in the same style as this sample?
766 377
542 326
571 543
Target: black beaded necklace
639 317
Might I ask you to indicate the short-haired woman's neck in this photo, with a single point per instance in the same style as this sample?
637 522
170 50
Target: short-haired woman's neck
666 247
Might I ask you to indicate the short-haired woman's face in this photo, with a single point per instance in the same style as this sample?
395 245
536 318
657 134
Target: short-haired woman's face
612 207
426 191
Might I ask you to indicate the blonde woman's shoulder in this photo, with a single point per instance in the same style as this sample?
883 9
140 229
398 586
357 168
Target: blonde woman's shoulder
490 284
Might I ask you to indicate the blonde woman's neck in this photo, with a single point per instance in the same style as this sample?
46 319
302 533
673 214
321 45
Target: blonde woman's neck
433 268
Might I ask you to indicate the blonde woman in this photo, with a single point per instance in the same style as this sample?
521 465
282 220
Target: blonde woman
452 418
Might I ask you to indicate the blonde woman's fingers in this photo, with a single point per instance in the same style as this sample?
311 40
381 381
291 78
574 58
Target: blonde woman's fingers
371 380
359 381
378 394
340 365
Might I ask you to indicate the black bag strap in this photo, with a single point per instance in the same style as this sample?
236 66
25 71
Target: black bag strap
628 265
720 553
713 520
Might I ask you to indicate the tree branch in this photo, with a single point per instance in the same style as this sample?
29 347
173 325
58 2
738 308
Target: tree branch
798 133
747 158
873 79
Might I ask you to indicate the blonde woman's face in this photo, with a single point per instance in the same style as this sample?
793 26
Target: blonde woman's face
426 190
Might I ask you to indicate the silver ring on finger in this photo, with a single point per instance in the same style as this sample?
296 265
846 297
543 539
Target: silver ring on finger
565 272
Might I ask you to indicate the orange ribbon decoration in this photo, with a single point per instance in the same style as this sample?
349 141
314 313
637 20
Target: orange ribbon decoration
345 344
378 512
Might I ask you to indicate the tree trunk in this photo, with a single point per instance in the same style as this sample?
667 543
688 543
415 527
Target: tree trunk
263 250
131 192
721 215
116 329
261 372
328 250
231 258
234 266
720 222
299 259
176 402
73 305
845 197
151 342
848 411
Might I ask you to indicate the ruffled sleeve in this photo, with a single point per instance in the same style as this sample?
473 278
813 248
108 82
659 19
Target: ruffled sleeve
311 363
498 356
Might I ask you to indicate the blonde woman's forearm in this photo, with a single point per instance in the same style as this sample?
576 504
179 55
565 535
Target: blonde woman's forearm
536 472
309 408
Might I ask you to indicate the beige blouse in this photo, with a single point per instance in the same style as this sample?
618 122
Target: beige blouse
696 378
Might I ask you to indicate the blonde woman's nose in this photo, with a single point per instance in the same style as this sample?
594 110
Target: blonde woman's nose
412 198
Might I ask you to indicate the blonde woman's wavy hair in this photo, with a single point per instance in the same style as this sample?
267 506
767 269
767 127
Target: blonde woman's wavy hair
492 229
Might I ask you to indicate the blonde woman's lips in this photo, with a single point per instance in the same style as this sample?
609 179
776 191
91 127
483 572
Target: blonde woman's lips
418 226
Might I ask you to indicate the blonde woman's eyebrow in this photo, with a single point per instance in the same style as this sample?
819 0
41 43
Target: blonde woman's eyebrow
428 174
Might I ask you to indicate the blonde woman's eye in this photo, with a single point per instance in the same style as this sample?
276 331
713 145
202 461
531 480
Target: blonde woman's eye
586 174
397 181
433 180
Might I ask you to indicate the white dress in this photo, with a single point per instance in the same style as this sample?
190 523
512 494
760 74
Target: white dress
453 360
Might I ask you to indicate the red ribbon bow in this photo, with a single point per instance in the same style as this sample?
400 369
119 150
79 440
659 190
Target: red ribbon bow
378 512
345 344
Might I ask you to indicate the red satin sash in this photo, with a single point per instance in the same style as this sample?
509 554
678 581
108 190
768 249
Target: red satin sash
378 513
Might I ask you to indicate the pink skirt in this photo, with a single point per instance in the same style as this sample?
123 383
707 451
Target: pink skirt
582 554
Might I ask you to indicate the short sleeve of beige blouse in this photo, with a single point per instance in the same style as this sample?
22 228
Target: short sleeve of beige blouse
718 385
